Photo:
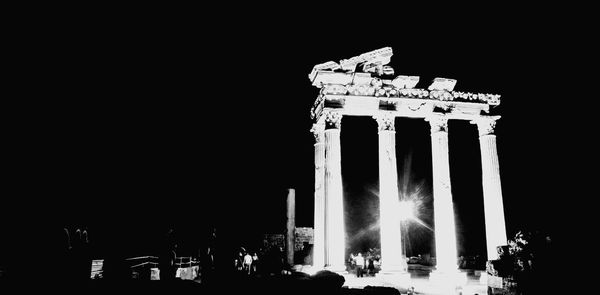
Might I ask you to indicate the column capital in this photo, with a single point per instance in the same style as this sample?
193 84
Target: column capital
317 130
486 125
385 121
439 123
333 120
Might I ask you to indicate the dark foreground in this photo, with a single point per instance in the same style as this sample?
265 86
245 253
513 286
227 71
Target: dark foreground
231 283
297 283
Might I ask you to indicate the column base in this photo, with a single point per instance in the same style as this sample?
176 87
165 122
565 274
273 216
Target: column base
394 268
448 278
394 276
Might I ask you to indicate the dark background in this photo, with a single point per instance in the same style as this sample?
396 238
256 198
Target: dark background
131 128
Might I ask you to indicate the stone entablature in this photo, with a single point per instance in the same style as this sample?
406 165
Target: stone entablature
375 88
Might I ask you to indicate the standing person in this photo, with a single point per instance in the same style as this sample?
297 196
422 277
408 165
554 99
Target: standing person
352 262
254 263
170 264
208 260
211 250
370 266
166 259
360 264
239 262
247 262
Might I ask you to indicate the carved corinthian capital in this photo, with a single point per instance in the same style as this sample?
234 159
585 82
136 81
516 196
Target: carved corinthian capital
438 123
317 130
333 120
486 125
385 121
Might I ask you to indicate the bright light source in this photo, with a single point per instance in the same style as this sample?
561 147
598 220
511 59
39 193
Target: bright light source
406 210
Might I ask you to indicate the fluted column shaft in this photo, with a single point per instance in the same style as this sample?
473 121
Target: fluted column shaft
334 199
443 208
319 219
389 220
495 227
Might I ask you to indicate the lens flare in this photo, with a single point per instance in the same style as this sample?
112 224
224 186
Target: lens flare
406 210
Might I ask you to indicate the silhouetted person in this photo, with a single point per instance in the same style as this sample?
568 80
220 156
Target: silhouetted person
166 264
370 266
166 259
207 262
212 248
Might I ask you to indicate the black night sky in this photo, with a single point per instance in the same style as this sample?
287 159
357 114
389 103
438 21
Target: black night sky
133 129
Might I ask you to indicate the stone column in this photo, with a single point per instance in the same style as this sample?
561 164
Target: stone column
446 269
389 220
319 220
335 242
495 228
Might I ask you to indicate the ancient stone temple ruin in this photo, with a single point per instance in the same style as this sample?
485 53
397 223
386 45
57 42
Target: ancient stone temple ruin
366 86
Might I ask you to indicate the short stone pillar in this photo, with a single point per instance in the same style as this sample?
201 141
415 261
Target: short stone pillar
290 226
